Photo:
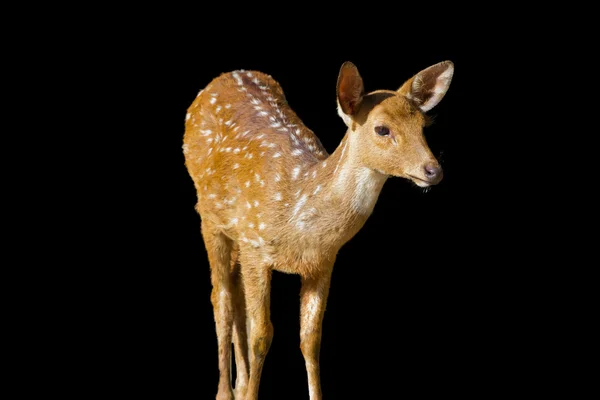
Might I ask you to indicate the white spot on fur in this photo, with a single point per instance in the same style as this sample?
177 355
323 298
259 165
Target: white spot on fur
227 105
295 172
218 109
277 177
317 189
262 226
250 225
187 116
247 183
296 152
212 195
248 205
299 204
236 166
236 150
213 100
276 155
277 196
341 157
256 203
237 78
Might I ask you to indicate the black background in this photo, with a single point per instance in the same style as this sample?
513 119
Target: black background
436 295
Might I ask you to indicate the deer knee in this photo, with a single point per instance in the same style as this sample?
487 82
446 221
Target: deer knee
261 341
310 343
222 304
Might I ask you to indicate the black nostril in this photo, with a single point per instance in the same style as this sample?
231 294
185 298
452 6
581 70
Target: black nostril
431 170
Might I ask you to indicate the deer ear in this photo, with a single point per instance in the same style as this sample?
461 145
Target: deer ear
350 90
429 86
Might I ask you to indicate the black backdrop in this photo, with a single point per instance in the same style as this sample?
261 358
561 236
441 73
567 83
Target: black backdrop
429 297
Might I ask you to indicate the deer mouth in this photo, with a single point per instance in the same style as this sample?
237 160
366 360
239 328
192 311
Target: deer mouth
419 181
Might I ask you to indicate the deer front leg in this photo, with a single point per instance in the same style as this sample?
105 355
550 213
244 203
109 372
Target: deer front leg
257 284
313 299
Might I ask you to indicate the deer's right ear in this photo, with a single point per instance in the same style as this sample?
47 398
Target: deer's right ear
350 91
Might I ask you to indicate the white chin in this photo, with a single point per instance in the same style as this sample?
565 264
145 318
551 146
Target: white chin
421 183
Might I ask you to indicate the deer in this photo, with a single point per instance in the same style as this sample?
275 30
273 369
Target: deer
271 198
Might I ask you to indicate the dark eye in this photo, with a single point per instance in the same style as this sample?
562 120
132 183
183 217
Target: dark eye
382 130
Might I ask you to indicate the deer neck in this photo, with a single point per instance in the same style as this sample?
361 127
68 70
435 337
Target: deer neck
343 195
352 185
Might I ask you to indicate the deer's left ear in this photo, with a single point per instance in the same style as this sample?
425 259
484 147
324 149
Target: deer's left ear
429 86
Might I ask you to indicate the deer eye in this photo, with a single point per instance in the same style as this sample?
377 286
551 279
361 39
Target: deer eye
382 130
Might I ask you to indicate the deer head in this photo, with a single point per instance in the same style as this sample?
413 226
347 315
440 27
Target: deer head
386 127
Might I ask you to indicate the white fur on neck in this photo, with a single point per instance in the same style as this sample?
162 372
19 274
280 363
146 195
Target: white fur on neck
359 184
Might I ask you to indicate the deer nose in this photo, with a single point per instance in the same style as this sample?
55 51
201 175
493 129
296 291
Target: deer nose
433 172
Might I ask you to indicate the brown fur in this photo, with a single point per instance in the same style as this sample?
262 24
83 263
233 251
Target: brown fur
271 198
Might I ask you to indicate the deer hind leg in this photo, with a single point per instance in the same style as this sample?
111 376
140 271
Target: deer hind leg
240 337
256 278
313 299
218 247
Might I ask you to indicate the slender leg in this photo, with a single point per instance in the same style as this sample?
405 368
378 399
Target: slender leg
257 285
240 338
313 299
218 247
